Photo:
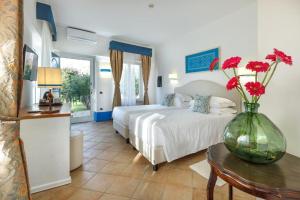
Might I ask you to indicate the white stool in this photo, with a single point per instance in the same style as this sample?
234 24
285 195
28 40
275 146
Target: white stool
76 150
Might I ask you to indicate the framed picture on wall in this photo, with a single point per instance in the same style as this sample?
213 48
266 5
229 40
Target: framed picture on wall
30 64
55 60
201 61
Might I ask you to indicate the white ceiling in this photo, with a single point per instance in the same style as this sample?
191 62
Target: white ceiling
132 20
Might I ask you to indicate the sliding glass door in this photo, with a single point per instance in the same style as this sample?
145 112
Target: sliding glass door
77 85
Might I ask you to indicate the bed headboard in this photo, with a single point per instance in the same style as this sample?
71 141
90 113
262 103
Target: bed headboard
206 88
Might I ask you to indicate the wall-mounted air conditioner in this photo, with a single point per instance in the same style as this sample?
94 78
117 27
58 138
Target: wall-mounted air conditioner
81 35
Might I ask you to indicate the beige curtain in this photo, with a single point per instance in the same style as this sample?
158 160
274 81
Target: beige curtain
146 67
14 180
116 61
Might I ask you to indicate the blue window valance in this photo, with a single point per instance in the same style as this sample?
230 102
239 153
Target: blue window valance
44 12
130 48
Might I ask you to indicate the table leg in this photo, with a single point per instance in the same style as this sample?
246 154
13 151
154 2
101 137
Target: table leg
211 184
230 196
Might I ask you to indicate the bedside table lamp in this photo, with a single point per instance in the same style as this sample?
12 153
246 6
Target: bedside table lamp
49 77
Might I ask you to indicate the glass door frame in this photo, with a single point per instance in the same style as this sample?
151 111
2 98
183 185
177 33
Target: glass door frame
92 82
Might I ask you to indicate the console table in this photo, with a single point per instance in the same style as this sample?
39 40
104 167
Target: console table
46 140
280 180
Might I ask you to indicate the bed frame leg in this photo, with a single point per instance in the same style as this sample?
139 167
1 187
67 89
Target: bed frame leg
155 167
117 132
133 148
127 140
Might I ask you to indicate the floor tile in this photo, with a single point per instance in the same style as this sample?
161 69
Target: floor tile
114 168
100 182
149 191
107 155
180 177
94 165
82 194
113 197
135 170
175 192
80 177
123 186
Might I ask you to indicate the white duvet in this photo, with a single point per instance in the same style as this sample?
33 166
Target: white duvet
180 132
121 113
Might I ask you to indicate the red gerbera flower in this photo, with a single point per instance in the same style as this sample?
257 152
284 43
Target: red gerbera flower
233 83
283 57
255 88
213 64
257 66
231 62
271 57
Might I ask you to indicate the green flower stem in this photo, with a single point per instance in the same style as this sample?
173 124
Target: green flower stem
269 79
265 78
241 88
272 74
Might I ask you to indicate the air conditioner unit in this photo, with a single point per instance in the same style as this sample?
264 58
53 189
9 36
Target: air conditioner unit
85 36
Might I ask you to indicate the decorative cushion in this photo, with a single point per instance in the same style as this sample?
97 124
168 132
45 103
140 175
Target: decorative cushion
201 104
168 100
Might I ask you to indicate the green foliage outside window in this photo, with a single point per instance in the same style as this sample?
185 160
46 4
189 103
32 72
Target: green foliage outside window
76 88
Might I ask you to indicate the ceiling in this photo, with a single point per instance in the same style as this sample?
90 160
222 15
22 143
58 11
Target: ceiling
133 20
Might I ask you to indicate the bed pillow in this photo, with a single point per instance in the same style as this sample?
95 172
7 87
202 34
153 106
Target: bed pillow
201 104
182 100
221 111
168 100
219 102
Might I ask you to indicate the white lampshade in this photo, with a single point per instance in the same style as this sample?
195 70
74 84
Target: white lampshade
49 77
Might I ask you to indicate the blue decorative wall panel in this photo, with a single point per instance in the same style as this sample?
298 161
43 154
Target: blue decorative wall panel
130 48
201 61
44 12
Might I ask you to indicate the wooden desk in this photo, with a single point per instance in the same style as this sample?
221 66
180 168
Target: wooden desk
280 180
46 140
64 110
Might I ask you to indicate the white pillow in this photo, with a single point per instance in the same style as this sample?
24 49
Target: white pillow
219 102
182 100
221 111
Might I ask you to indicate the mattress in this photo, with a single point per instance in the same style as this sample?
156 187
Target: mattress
179 132
121 113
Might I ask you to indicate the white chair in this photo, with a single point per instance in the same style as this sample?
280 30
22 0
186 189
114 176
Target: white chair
76 150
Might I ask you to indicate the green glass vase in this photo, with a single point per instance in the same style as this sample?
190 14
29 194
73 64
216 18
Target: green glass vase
253 137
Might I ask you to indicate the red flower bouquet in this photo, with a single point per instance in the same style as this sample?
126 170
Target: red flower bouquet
254 88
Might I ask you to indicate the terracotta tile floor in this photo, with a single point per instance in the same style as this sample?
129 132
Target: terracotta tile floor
112 170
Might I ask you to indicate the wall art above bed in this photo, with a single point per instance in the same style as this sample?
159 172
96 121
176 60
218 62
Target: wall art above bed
201 61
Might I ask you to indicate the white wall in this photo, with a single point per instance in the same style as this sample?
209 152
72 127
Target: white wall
32 37
279 27
72 46
235 34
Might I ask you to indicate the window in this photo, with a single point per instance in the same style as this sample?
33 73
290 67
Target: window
131 84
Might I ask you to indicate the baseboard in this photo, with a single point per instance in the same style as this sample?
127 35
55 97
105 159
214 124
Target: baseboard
102 116
50 185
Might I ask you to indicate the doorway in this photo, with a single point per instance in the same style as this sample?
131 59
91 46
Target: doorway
77 73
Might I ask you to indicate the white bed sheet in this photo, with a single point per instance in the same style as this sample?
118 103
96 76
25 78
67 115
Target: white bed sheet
121 113
180 132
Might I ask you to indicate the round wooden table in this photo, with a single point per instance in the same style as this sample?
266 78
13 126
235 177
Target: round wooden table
280 180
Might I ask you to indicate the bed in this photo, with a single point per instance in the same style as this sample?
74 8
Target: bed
121 116
166 135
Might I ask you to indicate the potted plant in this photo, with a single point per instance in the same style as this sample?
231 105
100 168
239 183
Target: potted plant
251 135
